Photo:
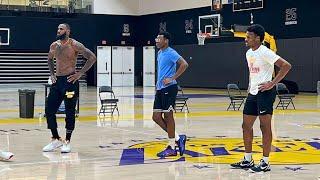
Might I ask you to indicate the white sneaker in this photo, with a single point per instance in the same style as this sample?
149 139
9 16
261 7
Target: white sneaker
52 146
66 148
6 155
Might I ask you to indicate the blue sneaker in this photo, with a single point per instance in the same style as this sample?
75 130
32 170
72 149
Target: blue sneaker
167 152
182 144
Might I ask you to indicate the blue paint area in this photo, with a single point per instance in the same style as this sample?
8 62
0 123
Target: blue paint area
314 144
194 154
241 149
132 157
274 149
294 168
219 151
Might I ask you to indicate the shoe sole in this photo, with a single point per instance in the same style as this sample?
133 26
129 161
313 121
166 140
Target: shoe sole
4 159
252 171
10 157
64 152
52 149
237 167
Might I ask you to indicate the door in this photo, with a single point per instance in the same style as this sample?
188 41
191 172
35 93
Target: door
149 66
128 66
117 70
122 66
103 66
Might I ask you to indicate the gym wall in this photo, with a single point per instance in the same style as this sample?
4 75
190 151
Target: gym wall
297 43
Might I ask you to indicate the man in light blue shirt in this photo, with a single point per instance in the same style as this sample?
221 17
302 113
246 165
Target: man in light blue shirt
167 90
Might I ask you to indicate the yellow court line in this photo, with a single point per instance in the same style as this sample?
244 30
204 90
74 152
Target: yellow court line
191 106
127 117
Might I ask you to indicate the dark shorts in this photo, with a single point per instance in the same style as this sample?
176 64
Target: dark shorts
260 104
165 99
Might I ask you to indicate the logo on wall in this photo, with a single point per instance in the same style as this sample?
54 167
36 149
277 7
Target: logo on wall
163 26
33 3
188 26
126 30
291 16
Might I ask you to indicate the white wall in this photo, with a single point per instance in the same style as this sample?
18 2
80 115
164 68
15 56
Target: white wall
142 7
118 7
157 6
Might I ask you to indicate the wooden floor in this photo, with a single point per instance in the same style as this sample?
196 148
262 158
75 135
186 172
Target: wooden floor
125 147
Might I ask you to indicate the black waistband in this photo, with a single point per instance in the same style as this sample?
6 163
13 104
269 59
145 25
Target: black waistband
62 77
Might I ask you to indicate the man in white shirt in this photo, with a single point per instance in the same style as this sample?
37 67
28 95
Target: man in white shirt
261 97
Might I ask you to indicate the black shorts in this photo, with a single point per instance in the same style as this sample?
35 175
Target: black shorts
165 99
260 104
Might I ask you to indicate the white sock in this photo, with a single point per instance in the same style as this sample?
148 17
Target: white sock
265 159
177 137
172 142
248 156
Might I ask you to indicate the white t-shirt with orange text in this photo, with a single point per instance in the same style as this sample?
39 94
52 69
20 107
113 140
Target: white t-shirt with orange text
261 66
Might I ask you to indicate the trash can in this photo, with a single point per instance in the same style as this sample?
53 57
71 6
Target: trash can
26 103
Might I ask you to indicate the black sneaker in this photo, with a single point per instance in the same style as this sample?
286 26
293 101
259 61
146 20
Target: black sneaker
243 164
261 167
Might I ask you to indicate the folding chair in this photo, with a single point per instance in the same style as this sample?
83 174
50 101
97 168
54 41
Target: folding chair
108 100
285 98
181 101
235 96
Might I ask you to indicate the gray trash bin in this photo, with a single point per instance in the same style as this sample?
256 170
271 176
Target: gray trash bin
26 103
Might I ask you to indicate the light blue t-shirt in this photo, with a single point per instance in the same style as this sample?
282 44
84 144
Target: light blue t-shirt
167 60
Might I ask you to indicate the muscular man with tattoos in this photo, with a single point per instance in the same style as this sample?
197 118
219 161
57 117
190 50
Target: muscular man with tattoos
65 84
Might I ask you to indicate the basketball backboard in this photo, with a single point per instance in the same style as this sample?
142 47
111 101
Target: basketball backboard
210 24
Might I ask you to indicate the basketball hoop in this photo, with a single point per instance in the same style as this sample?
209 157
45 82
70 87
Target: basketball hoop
202 37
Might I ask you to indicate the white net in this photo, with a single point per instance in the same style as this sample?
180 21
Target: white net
201 38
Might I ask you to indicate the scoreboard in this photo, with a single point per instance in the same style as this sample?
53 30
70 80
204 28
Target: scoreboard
242 5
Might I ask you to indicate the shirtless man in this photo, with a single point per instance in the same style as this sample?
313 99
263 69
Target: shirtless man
65 84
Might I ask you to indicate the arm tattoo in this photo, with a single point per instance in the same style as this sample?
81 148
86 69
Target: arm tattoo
51 66
50 60
89 55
